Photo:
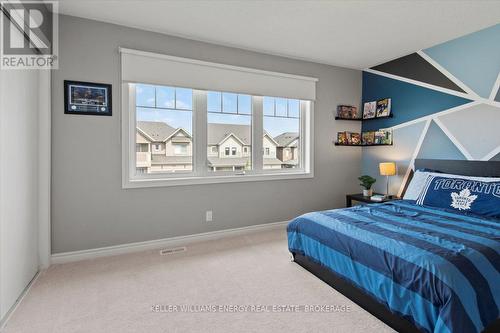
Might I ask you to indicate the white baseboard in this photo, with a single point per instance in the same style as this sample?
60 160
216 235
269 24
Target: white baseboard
65 257
5 319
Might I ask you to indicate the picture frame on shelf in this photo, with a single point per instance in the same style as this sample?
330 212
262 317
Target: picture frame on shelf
342 138
347 112
383 137
368 138
369 110
383 107
354 138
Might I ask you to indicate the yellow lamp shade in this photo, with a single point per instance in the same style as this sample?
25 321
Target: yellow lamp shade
387 168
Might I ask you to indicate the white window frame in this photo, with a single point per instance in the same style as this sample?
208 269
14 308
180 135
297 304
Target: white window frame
200 173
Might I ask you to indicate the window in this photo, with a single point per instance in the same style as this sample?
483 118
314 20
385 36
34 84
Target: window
229 127
180 149
141 147
164 141
246 125
282 128
164 120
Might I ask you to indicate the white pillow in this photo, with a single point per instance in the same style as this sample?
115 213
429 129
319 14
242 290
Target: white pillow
416 184
419 177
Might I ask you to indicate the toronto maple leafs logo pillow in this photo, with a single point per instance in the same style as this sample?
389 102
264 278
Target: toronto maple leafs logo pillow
462 195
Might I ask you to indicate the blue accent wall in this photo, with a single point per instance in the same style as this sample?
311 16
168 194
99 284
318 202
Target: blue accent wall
455 133
437 145
408 101
473 59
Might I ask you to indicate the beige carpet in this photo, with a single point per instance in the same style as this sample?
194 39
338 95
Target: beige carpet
116 294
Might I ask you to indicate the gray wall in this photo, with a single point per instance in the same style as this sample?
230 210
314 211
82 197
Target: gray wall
18 183
89 207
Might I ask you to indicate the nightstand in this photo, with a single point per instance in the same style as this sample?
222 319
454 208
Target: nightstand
349 198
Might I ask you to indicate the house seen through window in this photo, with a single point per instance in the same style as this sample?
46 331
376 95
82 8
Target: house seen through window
164 136
164 122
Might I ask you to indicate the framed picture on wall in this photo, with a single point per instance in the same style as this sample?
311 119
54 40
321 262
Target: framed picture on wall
87 98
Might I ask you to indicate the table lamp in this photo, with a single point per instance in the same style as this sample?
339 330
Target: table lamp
387 169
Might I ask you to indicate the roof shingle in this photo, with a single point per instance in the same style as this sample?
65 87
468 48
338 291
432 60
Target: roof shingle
156 130
285 139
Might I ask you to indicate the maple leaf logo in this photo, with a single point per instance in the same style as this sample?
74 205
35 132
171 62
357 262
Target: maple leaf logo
462 200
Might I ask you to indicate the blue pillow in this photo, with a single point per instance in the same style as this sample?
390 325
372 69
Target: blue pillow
462 195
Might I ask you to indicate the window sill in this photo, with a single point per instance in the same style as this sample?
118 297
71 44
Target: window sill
192 180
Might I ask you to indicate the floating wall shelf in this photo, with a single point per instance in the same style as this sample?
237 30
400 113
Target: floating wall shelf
362 145
361 119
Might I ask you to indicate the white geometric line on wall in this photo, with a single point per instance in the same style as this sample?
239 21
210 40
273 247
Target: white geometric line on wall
475 128
491 154
454 139
495 89
450 76
424 85
492 103
414 156
437 114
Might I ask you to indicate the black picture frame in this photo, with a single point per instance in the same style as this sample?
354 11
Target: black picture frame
99 103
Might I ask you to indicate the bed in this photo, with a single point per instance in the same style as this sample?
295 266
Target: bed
417 268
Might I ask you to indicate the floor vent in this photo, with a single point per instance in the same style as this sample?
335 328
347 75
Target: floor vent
164 252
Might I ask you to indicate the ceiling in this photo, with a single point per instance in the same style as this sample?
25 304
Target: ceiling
353 34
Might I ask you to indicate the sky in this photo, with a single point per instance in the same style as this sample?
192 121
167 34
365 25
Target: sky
179 103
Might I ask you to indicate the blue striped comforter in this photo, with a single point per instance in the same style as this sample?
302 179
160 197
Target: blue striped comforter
438 269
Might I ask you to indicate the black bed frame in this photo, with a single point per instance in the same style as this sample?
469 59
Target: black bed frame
370 304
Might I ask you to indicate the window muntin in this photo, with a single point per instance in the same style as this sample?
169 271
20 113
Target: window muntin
281 107
223 102
164 124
